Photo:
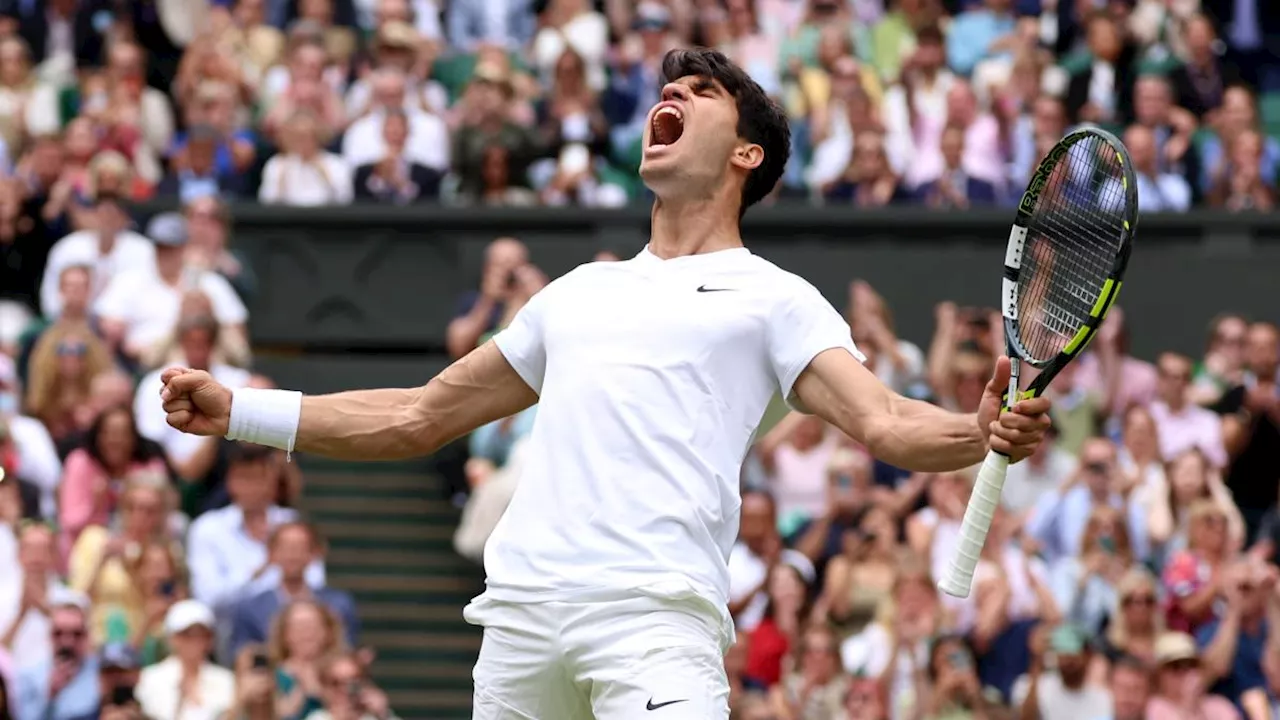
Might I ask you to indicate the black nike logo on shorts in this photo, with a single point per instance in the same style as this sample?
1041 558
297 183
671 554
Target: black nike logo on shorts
704 288
658 706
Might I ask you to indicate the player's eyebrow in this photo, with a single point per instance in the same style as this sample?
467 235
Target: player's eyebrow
705 84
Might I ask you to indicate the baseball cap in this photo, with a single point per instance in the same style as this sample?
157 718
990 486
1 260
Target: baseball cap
187 614
118 656
1067 640
168 230
1173 647
396 34
651 16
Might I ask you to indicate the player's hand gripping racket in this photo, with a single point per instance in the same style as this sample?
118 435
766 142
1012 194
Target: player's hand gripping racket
1062 270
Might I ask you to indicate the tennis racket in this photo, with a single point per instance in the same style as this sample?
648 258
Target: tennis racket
1062 271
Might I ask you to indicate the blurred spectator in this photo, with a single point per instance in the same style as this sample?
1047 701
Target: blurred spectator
979 33
126 71
486 122
208 228
255 691
307 82
507 24
396 46
955 188
796 453
28 442
108 247
304 173
1048 468
869 180
186 686
1233 644
1219 156
897 362
1195 577
1239 184
28 603
28 107
106 565
95 473
1251 425
427 138
293 548
1190 478
1222 366
497 453
113 388
571 26
395 178
65 35
758 551
1086 587
348 693
118 671
227 548
64 687
480 311
816 689
959 360
786 612
1180 683
1157 191
956 690
1103 91
1182 425
1064 692
1110 371
304 633
1136 622
860 579
64 364
1130 685
1202 79
139 308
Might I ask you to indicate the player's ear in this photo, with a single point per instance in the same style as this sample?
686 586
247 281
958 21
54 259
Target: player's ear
748 156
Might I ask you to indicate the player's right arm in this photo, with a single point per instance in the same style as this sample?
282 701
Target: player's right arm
385 424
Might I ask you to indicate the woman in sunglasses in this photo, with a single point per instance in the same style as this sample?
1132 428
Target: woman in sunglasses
63 365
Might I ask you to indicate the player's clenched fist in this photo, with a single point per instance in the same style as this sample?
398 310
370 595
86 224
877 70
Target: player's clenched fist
194 402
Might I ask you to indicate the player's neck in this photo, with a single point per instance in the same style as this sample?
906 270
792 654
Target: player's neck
693 228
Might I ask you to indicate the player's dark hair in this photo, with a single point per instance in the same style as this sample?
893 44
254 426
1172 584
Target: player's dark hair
760 119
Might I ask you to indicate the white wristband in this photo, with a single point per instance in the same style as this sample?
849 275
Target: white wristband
265 417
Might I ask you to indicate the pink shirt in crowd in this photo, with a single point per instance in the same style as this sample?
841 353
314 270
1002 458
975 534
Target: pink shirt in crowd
1211 707
982 159
800 478
1137 381
1191 427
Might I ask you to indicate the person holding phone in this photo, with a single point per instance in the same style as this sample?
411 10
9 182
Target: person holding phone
348 692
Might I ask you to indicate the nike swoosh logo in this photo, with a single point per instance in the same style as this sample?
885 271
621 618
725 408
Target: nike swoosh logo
704 288
659 706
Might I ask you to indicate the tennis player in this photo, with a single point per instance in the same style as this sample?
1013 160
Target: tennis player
607 578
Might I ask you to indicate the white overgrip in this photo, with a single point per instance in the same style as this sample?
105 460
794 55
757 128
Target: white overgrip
982 506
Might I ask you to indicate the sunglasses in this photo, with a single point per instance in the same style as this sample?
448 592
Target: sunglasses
69 633
72 350
1182 665
1145 600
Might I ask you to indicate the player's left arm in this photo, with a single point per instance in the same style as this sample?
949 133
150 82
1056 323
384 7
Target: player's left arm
911 434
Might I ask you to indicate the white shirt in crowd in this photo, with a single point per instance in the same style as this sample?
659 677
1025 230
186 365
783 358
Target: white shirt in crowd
290 180
650 394
38 459
131 251
222 558
428 96
150 307
33 643
427 144
747 573
160 695
1056 702
149 414
1029 479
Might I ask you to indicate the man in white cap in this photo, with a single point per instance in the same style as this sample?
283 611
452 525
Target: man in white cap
186 686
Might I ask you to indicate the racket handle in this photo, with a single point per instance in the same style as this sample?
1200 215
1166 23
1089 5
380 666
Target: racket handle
977 523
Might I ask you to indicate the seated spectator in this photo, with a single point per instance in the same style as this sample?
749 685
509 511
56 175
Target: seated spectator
956 690
227 549
303 173
1173 132
348 693
1184 426
1109 370
74 286
816 688
498 187
309 83
486 122
1233 645
28 107
159 581
1043 118
64 364
1103 92
836 128
959 358
869 181
194 459
1086 587
398 46
1202 79
186 685
788 609
91 484
1238 115
108 247
255 691
230 343
571 25
1047 468
194 170
758 548
933 531
216 106
302 636
1158 191
1195 578
109 389
65 686
208 229
427 138
140 308
1180 683
126 66
981 32
1064 692
396 179
955 188
1239 184
1137 620
104 564
896 361
293 548
481 311
27 604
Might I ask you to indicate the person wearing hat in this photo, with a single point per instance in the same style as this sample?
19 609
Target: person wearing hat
140 307
106 245
119 668
186 686
1180 688
1057 685
398 45
427 139
485 125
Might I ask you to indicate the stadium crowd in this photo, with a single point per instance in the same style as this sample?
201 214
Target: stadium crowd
144 573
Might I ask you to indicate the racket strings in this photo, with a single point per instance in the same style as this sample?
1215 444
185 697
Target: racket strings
1072 240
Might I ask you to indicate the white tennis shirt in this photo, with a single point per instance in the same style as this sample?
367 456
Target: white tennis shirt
653 376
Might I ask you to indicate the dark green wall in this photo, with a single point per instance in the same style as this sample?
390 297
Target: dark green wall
338 283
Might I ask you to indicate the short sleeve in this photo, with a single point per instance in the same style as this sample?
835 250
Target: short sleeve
801 327
523 342
227 306
116 299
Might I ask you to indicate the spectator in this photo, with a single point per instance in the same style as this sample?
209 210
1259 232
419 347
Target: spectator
1109 370
1130 685
485 122
1238 115
470 23
293 548
869 181
1157 191
305 174
1103 93
33 449
255 691
796 453
28 604
1202 80
1222 367
1136 623
1184 426
1180 683
1194 578
109 389
109 248
427 137
955 188
118 671
985 31
816 689
91 485
304 633
1048 468
208 228
395 178
396 46
28 107
159 581
127 74
64 364
788 607
1232 646
896 647
1190 479
758 549
1064 692
860 579
1087 587
481 310
571 26
1251 425
64 687
348 693
1239 184
187 685
898 362
140 308
956 691
227 548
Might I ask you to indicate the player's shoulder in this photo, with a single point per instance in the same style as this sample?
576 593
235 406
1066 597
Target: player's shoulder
778 283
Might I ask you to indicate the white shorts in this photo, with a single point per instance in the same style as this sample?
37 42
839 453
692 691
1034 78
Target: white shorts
642 658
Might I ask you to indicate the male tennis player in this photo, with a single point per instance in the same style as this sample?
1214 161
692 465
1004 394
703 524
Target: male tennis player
607 580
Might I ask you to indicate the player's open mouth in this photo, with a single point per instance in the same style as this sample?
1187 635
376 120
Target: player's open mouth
667 127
